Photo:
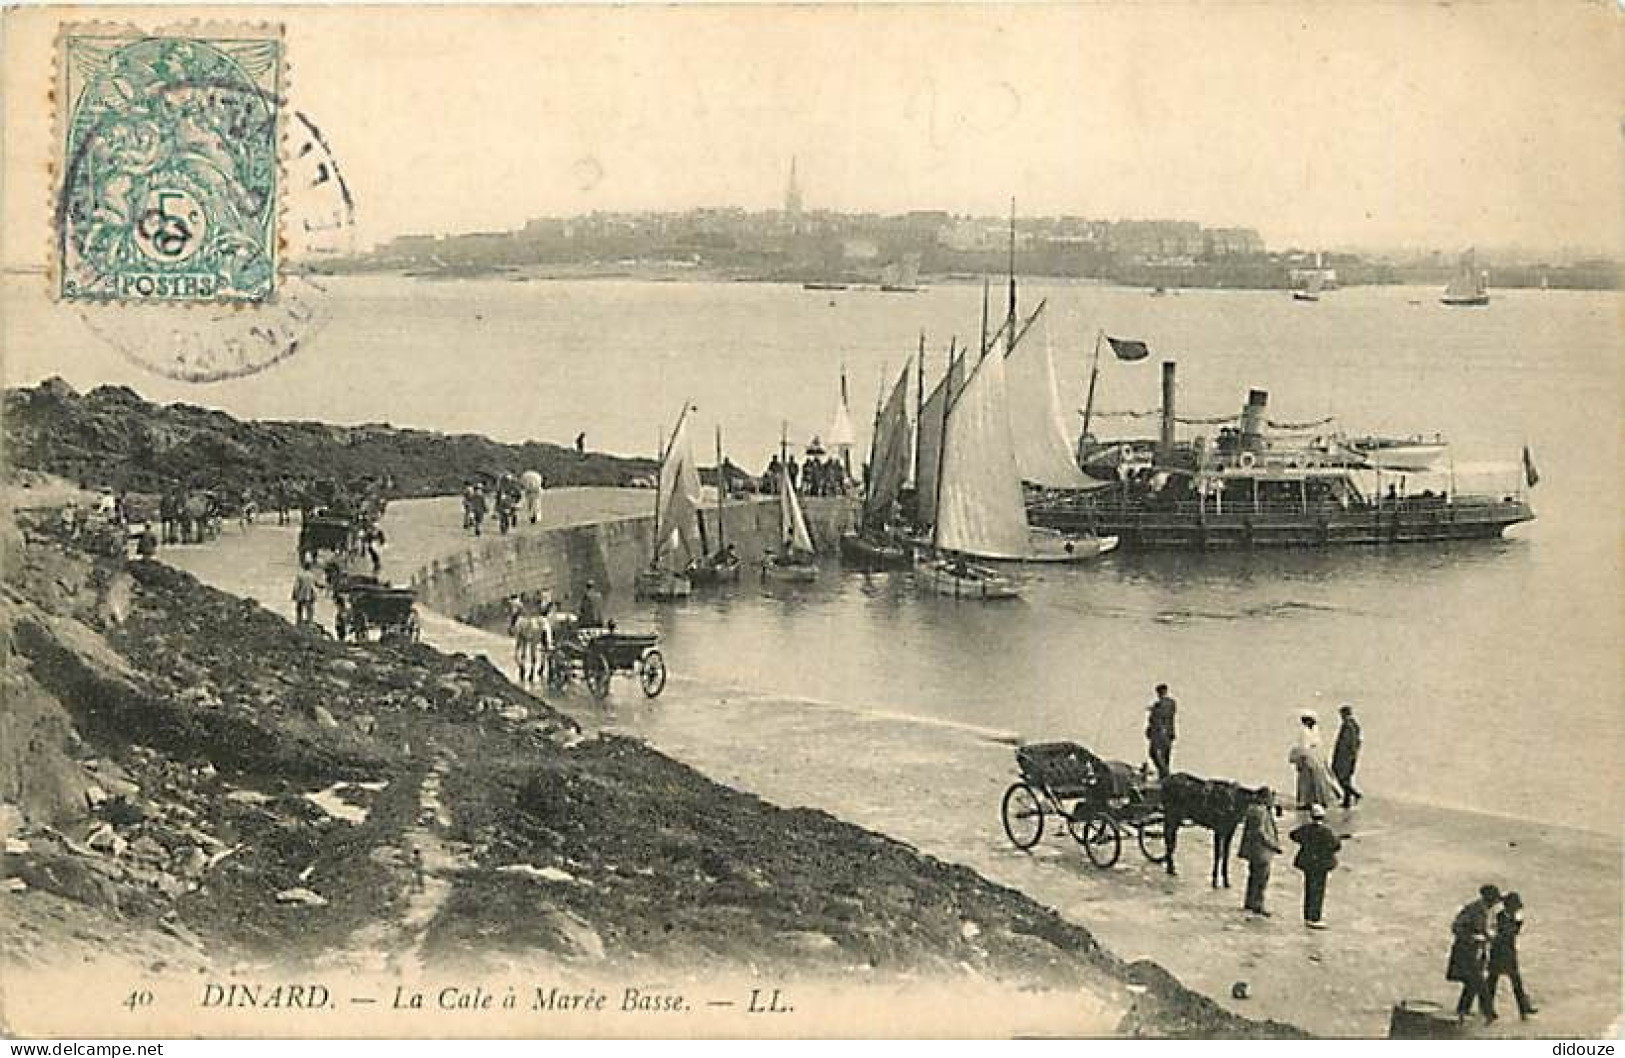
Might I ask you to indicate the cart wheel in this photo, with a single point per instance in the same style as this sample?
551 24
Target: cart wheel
1154 840
1023 816
1100 837
597 675
653 674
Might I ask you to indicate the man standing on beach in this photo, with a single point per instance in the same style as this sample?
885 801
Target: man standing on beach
1260 843
1159 731
1346 755
1470 951
304 595
1317 857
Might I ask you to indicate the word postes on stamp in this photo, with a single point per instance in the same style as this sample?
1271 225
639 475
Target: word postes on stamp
169 165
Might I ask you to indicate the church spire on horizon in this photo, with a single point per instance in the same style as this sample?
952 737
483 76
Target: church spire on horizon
792 192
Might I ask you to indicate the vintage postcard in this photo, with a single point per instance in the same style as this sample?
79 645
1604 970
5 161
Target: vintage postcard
827 520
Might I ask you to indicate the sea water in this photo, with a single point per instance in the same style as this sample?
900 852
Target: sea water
1486 675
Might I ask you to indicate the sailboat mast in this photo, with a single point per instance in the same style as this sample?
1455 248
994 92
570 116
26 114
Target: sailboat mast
919 412
1010 319
942 443
981 349
722 490
874 439
785 483
1094 375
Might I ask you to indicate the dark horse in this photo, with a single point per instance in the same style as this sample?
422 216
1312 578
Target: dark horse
1215 804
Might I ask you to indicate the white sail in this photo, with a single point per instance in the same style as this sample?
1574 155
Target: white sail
1037 427
792 526
930 426
679 494
1468 282
841 435
981 512
1315 282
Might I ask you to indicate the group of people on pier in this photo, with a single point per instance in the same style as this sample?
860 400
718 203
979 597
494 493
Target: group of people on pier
817 475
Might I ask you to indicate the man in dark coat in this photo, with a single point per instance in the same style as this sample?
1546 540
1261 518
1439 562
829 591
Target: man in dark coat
1317 857
1159 731
1346 755
1260 843
1469 953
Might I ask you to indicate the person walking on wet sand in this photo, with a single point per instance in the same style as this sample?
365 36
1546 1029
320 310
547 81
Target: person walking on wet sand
1346 755
1469 953
1317 858
1315 783
1159 731
1260 843
1504 958
304 596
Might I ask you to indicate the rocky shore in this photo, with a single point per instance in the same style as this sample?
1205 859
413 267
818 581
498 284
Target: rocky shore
112 438
189 781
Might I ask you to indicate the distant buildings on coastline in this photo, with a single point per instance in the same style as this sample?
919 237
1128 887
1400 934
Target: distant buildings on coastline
796 244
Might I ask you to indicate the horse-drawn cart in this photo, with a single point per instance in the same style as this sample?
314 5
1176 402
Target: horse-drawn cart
593 655
327 532
1097 799
366 603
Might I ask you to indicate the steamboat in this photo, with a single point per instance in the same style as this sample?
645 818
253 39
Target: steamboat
1251 489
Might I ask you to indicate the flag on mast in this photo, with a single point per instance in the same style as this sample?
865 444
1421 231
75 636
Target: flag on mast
1129 349
1531 476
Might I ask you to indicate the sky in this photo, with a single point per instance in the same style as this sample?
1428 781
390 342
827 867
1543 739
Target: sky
1318 124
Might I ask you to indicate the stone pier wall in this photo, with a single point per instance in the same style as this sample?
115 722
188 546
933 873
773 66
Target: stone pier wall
473 584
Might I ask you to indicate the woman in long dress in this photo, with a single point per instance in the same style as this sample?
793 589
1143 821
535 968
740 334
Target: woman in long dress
1316 784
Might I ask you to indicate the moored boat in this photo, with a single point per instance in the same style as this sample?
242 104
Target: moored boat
676 503
1252 490
1469 286
958 579
722 565
878 542
793 561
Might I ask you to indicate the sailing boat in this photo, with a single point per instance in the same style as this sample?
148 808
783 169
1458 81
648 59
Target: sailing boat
980 508
676 505
876 542
1313 284
1469 286
901 277
840 434
722 565
793 561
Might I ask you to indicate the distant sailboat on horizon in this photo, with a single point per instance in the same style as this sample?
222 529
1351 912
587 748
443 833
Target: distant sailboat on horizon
1469 286
901 276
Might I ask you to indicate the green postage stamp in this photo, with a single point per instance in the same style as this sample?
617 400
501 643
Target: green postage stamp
169 172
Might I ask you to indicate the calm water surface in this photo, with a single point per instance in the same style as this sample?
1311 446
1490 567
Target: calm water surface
1487 675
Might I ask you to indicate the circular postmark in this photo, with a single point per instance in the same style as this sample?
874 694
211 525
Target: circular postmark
194 215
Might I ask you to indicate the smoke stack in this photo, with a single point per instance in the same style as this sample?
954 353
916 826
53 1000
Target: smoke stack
1252 420
1165 441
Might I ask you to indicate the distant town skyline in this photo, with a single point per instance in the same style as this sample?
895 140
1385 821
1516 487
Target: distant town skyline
1438 126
